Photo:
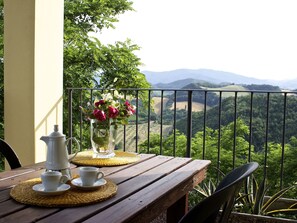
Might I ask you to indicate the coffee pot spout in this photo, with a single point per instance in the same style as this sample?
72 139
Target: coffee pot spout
44 138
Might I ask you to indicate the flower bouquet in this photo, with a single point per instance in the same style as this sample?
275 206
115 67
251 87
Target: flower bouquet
105 115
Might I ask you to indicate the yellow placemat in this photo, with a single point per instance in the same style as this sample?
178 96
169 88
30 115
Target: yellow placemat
24 193
85 158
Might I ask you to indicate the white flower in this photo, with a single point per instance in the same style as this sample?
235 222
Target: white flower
107 97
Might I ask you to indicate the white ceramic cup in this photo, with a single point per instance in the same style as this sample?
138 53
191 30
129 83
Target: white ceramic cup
89 175
51 180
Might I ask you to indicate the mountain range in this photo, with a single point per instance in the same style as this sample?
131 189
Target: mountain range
165 78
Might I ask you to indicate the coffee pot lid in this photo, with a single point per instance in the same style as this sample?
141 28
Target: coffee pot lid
56 132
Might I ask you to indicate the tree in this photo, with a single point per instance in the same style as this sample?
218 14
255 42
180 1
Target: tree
86 58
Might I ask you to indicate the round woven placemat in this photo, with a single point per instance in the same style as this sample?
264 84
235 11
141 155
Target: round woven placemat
86 158
24 193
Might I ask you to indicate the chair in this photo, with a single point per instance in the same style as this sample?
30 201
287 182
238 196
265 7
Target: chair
9 154
207 211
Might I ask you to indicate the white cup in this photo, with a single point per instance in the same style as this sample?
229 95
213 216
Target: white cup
51 180
89 175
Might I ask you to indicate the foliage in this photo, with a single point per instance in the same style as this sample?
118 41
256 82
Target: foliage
250 200
167 144
259 116
253 199
275 155
203 190
85 57
206 188
210 149
262 87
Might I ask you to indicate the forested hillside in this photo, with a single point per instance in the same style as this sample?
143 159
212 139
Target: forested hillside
259 117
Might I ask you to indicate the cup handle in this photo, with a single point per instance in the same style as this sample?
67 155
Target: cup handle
100 175
64 179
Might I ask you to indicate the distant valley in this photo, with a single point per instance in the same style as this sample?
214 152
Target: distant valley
182 77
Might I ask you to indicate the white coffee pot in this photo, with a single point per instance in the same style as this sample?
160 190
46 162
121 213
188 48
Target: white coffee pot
57 157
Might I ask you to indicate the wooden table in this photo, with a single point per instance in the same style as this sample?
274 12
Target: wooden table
145 190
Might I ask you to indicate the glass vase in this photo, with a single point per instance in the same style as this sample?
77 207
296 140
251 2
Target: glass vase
103 138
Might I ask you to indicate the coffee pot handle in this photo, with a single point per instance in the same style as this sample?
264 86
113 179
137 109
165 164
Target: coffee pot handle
77 144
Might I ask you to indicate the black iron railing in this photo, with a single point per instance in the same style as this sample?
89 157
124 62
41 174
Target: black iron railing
265 113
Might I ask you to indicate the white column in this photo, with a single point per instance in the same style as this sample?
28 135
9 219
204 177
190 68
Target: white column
33 74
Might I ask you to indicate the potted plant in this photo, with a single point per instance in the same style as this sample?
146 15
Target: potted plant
254 201
253 204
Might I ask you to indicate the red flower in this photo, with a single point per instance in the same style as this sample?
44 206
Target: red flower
112 112
101 102
130 109
100 115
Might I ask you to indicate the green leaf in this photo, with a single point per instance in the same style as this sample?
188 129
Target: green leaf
259 197
282 211
275 197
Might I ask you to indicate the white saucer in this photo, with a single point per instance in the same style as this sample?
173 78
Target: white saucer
39 188
77 182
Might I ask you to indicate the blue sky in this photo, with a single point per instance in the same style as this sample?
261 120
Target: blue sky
255 38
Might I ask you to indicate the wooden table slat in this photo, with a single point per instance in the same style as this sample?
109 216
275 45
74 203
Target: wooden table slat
13 173
128 174
31 214
10 206
4 195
